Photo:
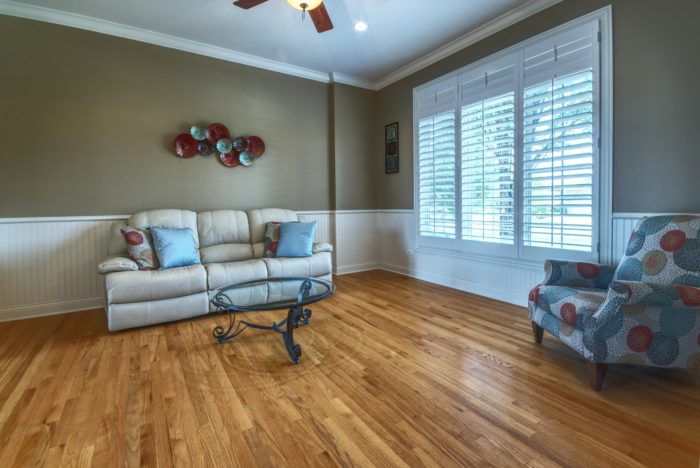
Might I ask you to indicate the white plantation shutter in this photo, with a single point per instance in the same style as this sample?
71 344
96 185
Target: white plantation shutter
488 172
559 153
488 153
508 151
436 175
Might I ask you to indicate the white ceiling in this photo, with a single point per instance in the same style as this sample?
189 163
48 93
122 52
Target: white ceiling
400 31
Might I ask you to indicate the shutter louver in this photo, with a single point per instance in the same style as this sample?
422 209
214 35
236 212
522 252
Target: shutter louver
488 170
558 158
436 175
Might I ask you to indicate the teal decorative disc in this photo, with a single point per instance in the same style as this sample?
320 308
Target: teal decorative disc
246 159
198 133
224 145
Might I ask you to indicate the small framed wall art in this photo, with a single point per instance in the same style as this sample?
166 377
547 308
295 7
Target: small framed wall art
391 148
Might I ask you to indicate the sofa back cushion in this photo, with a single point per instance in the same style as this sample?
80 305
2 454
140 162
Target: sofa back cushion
168 219
258 220
663 250
224 236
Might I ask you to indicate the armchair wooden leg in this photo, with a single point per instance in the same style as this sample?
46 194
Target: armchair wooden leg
596 374
537 332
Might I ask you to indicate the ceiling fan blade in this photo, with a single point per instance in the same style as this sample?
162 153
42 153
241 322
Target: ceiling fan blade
319 16
247 4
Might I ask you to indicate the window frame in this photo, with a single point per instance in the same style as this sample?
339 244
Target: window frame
602 167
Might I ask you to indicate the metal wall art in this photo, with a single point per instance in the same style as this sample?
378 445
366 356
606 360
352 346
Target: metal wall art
216 137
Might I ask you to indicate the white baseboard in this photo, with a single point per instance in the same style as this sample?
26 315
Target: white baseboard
53 308
347 269
462 285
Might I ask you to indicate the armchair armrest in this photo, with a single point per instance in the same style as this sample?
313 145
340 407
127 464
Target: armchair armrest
318 248
588 275
661 295
116 263
636 293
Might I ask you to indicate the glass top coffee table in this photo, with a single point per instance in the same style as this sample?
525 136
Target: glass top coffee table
293 294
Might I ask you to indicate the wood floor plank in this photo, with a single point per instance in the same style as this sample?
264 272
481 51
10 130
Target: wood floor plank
394 372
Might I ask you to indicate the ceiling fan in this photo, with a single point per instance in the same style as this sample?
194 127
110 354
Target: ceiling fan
315 8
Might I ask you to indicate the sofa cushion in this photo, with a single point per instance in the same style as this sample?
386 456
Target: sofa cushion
258 220
168 219
272 239
140 246
226 253
137 286
296 239
222 274
223 227
314 266
175 247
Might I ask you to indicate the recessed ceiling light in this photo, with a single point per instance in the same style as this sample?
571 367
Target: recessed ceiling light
360 26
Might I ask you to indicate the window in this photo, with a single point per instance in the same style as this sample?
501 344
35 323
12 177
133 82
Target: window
508 150
558 163
488 170
436 175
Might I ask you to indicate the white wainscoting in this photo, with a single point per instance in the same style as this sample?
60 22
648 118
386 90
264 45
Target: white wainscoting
48 265
503 280
354 234
507 281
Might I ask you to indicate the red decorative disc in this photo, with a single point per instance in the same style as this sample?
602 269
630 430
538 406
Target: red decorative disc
185 145
216 132
230 159
256 146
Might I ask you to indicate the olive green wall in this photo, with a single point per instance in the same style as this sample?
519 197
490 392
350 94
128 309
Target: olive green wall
353 144
87 123
656 70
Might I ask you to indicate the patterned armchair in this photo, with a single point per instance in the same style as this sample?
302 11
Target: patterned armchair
646 311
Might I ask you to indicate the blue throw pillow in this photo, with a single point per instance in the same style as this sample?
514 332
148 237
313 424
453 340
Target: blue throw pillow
175 247
296 239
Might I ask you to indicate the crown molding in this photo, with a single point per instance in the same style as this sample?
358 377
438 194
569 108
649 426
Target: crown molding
492 27
334 77
49 15
88 23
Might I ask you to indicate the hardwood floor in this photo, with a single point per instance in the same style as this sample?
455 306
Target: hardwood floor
394 372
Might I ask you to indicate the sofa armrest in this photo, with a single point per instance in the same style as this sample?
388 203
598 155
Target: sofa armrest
318 248
636 293
116 263
581 274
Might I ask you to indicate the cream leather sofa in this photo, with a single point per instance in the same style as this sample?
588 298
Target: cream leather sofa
231 250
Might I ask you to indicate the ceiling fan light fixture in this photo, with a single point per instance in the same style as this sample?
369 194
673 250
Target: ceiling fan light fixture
360 26
304 5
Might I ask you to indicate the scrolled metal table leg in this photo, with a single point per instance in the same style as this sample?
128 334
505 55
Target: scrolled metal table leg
293 349
306 316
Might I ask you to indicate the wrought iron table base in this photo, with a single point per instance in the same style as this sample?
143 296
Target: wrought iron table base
285 328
